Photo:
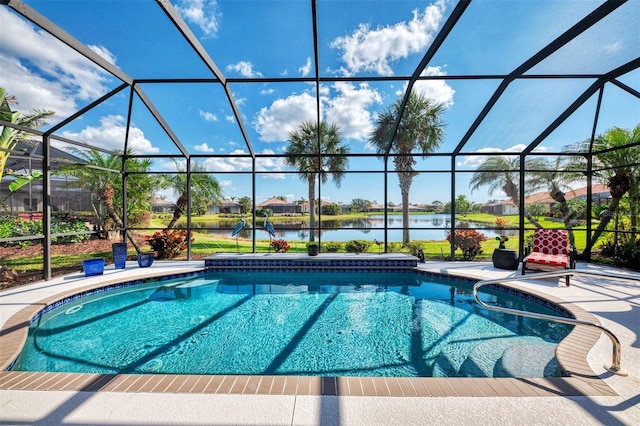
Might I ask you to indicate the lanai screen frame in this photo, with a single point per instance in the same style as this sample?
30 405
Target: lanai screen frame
134 87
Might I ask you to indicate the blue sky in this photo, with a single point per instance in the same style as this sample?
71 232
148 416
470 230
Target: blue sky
274 39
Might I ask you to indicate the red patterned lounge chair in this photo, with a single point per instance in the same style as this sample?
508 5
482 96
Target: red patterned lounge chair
550 252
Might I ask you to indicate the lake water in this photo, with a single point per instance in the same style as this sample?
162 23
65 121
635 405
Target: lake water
422 227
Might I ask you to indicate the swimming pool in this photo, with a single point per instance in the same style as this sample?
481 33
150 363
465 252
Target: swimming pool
401 324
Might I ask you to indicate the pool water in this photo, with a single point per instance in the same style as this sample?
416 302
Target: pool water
400 324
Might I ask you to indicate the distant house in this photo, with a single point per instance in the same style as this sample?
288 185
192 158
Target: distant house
599 194
163 206
504 207
279 207
375 207
226 207
413 208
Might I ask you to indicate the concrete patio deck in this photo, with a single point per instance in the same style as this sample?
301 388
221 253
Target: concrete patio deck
615 303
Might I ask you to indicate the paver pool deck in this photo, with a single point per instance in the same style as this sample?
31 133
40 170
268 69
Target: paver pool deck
591 396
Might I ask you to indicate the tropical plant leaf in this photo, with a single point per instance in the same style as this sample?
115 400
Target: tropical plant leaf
23 179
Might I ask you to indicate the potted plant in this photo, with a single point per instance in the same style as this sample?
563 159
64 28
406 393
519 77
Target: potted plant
313 248
502 257
501 240
501 222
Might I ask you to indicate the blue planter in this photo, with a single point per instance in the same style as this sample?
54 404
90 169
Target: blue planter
119 255
145 259
93 267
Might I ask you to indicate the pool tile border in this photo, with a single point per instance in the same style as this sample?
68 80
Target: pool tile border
571 354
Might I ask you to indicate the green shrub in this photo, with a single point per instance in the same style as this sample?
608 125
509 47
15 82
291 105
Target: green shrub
394 247
18 227
413 248
332 246
356 246
68 224
7 223
628 255
140 218
331 209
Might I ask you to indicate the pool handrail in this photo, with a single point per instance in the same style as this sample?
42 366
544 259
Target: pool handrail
615 367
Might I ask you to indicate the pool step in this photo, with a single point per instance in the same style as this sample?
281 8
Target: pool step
529 360
499 357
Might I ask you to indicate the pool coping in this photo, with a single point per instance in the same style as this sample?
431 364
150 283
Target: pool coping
571 354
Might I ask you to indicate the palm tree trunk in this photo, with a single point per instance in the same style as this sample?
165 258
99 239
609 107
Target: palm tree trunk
512 191
405 218
181 206
405 179
312 207
105 194
618 185
558 196
605 218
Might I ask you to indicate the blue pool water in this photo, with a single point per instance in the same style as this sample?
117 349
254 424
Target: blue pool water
401 324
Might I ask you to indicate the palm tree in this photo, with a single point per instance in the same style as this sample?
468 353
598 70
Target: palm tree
550 175
615 157
317 152
9 137
205 190
502 173
96 177
421 128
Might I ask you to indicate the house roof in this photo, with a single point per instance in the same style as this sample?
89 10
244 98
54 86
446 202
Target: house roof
543 197
275 202
34 152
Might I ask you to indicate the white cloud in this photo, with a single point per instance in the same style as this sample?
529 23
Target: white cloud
229 164
241 163
373 50
306 68
271 164
209 116
203 147
274 123
350 109
203 13
613 48
43 73
104 52
111 135
438 90
476 160
245 69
